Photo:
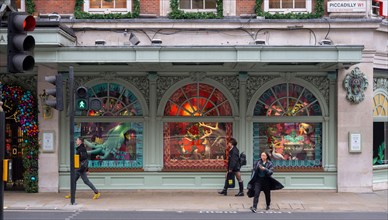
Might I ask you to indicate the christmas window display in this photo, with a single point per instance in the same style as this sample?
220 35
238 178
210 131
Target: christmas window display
296 145
291 145
196 144
114 145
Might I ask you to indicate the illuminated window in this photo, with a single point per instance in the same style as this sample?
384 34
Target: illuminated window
111 99
112 145
380 128
296 145
107 5
197 4
287 100
380 103
288 6
194 143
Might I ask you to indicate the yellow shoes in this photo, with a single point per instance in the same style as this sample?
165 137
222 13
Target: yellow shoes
96 195
67 196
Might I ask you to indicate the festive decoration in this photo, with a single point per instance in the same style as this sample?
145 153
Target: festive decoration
27 119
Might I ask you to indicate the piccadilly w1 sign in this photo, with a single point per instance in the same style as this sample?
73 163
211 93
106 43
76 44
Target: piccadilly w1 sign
346 6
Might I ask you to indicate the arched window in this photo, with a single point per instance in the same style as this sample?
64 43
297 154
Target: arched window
380 105
380 127
116 142
194 143
287 99
111 99
295 141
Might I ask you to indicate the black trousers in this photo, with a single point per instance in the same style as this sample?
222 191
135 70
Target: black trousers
262 184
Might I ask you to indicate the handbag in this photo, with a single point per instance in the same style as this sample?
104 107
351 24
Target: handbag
231 180
251 190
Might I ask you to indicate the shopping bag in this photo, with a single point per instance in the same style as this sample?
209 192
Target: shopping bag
231 180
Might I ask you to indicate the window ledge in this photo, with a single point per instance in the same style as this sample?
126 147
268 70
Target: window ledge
380 167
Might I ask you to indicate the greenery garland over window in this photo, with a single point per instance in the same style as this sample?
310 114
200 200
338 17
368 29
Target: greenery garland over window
318 12
80 14
30 6
176 13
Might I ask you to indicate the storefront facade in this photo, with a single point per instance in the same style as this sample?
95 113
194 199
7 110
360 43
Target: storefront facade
158 116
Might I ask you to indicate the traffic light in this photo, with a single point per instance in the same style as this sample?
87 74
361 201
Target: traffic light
56 80
82 98
20 46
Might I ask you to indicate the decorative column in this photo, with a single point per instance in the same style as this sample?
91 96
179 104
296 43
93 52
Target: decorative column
153 155
331 137
355 129
48 174
242 145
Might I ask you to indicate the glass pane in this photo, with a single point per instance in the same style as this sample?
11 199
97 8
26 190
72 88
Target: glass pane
195 145
287 4
121 3
112 145
18 4
95 4
274 3
300 3
107 3
210 4
289 144
197 4
184 4
193 100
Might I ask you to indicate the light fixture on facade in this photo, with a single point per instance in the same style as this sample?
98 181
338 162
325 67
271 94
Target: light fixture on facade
133 39
100 42
326 42
260 41
156 41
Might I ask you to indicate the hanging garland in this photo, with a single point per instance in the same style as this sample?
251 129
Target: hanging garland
27 118
30 6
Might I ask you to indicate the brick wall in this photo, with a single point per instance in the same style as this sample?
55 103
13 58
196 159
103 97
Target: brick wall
50 6
245 7
150 7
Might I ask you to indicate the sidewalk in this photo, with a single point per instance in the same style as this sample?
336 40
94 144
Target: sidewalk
200 200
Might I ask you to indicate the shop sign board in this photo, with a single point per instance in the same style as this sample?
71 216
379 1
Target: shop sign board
346 6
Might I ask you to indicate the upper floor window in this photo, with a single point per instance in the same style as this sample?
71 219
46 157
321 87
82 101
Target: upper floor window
20 5
107 5
287 6
197 4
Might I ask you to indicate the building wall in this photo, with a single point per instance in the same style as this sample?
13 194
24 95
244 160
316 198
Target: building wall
50 7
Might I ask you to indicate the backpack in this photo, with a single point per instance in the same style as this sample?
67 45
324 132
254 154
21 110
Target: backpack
243 159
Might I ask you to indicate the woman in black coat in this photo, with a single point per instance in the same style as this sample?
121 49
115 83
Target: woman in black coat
233 166
262 181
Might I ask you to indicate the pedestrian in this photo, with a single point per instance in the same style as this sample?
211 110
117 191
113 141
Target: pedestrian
262 180
83 168
233 166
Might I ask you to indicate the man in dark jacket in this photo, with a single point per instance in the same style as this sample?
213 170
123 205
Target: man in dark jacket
233 166
83 168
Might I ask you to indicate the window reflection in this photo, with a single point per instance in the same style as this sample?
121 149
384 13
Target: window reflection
290 144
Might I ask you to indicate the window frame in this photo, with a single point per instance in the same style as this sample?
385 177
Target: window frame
197 10
107 10
308 8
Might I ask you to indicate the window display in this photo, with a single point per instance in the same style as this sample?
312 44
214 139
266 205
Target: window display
195 144
113 145
290 144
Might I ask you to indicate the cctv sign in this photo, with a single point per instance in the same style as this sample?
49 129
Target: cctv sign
346 6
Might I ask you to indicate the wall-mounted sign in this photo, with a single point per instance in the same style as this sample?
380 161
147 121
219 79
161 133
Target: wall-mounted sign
346 6
48 141
354 142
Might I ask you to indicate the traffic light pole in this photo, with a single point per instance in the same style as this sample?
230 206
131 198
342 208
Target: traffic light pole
71 111
2 146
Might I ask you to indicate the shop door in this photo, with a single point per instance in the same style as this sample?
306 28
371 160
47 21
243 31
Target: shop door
14 153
